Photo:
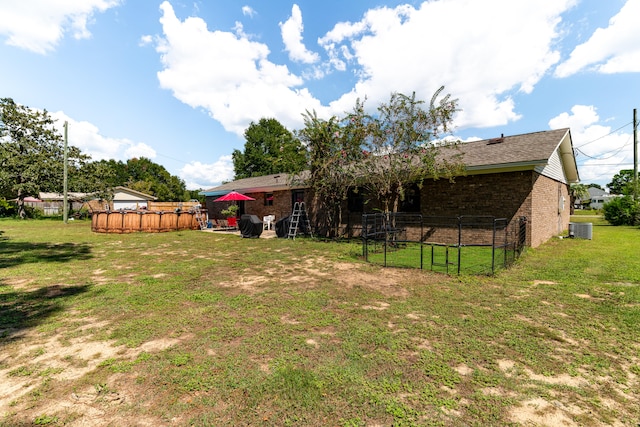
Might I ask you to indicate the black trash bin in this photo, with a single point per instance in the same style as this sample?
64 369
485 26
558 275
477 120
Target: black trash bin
282 227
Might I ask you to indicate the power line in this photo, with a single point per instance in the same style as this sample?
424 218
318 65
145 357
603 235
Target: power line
606 152
604 136
605 164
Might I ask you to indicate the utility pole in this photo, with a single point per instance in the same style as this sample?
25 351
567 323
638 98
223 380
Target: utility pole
65 215
635 154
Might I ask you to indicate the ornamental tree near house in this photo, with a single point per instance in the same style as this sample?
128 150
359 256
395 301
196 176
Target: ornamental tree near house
397 145
331 173
382 154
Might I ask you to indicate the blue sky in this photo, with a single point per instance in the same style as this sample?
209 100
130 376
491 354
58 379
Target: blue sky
179 82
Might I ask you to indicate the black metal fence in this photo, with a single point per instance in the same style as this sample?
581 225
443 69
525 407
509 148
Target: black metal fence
463 244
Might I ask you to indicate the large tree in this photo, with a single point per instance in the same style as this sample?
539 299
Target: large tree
622 182
142 174
397 145
31 153
269 148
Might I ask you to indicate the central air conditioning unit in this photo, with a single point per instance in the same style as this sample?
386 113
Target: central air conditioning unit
581 230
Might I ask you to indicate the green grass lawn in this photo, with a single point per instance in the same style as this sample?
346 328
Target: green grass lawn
207 329
441 258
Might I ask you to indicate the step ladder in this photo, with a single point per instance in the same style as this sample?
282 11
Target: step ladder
200 217
299 214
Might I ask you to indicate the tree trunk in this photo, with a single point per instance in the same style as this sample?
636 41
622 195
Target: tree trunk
22 213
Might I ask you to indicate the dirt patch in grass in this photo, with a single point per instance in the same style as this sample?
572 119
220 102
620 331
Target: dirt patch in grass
36 362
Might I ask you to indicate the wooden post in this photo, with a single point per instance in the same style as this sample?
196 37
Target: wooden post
65 209
635 154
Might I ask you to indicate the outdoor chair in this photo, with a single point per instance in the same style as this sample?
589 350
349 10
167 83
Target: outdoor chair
268 222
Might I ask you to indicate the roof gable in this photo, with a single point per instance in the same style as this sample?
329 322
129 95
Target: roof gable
124 193
548 152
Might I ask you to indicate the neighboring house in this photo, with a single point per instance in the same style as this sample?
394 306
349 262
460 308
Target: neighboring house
596 200
583 203
508 177
126 198
53 203
598 197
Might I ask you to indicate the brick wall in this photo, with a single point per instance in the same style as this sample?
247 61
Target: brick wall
504 195
509 195
548 217
281 205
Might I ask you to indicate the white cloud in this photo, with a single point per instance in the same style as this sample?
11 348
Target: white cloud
86 136
145 40
481 51
39 25
198 175
600 152
615 49
291 31
248 11
139 149
228 74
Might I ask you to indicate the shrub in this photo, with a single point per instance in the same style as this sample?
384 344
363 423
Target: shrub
8 209
622 211
230 211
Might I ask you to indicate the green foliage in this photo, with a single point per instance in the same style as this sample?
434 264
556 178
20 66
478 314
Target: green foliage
230 211
622 211
269 148
578 191
397 145
331 173
7 209
141 174
384 154
43 420
95 178
622 182
195 195
31 153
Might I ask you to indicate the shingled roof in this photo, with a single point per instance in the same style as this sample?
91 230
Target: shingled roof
541 151
259 184
521 152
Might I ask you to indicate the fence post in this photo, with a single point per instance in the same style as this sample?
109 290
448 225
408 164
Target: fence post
459 244
493 248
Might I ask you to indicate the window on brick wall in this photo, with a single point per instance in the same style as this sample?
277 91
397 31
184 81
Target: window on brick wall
355 201
411 202
297 196
268 199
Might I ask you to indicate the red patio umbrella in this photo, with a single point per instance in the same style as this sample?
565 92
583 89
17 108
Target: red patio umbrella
233 196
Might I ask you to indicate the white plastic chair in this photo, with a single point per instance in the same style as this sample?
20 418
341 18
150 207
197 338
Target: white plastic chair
268 221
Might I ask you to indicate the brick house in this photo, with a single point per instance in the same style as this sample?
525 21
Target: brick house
509 177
